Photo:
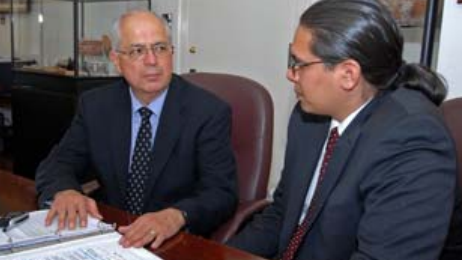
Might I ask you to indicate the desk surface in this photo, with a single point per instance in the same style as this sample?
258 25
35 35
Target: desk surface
18 193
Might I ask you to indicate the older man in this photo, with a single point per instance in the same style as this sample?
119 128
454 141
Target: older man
159 145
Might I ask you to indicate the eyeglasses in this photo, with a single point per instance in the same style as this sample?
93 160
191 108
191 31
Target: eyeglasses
137 51
295 64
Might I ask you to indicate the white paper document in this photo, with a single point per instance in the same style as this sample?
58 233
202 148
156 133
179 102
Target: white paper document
100 247
34 232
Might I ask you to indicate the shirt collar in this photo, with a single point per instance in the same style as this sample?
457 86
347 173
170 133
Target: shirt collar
155 106
341 126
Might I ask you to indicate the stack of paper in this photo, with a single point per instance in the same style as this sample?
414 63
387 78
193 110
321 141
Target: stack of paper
33 232
31 240
101 247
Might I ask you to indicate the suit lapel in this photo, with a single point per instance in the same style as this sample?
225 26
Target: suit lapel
335 169
168 132
339 160
304 167
120 138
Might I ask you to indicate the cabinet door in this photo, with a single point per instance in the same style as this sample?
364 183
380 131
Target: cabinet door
41 118
241 37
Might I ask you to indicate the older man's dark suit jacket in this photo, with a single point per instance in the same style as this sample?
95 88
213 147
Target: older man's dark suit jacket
193 169
387 193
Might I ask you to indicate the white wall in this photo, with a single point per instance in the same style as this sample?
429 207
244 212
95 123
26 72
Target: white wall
175 9
450 51
243 37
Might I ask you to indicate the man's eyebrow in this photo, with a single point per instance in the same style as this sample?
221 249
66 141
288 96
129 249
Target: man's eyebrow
293 56
150 44
137 45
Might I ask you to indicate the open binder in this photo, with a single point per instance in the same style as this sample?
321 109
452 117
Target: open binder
33 232
32 240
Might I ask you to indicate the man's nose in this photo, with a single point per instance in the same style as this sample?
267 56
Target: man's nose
290 75
150 57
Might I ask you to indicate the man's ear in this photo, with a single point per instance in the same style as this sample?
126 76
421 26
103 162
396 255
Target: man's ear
349 74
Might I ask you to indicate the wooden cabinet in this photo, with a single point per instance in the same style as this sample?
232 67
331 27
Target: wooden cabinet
43 106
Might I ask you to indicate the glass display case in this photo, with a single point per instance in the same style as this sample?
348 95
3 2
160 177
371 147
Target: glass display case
67 37
59 50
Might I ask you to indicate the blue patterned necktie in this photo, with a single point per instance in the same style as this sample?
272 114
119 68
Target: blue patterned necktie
141 165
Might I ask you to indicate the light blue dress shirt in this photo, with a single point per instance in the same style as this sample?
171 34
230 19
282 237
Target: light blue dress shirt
156 107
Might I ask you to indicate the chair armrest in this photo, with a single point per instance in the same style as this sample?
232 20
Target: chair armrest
244 213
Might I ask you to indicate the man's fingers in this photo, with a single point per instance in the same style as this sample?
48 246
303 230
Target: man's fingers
82 213
123 229
143 239
93 210
70 206
151 228
137 234
71 212
134 235
159 239
50 216
61 220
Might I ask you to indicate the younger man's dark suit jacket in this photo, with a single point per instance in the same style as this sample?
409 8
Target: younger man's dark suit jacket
193 169
387 194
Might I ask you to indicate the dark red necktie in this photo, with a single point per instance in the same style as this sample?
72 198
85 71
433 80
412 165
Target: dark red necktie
301 230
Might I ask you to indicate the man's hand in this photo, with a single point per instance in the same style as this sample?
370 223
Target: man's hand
69 206
152 227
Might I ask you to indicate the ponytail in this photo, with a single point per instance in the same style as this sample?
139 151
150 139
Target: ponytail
365 31
418 77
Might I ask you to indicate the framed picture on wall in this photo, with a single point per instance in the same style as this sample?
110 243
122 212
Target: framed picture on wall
408 13
20 6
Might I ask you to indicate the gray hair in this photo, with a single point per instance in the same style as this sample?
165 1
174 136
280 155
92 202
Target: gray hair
115 32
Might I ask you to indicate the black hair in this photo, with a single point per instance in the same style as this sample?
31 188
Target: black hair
365 31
